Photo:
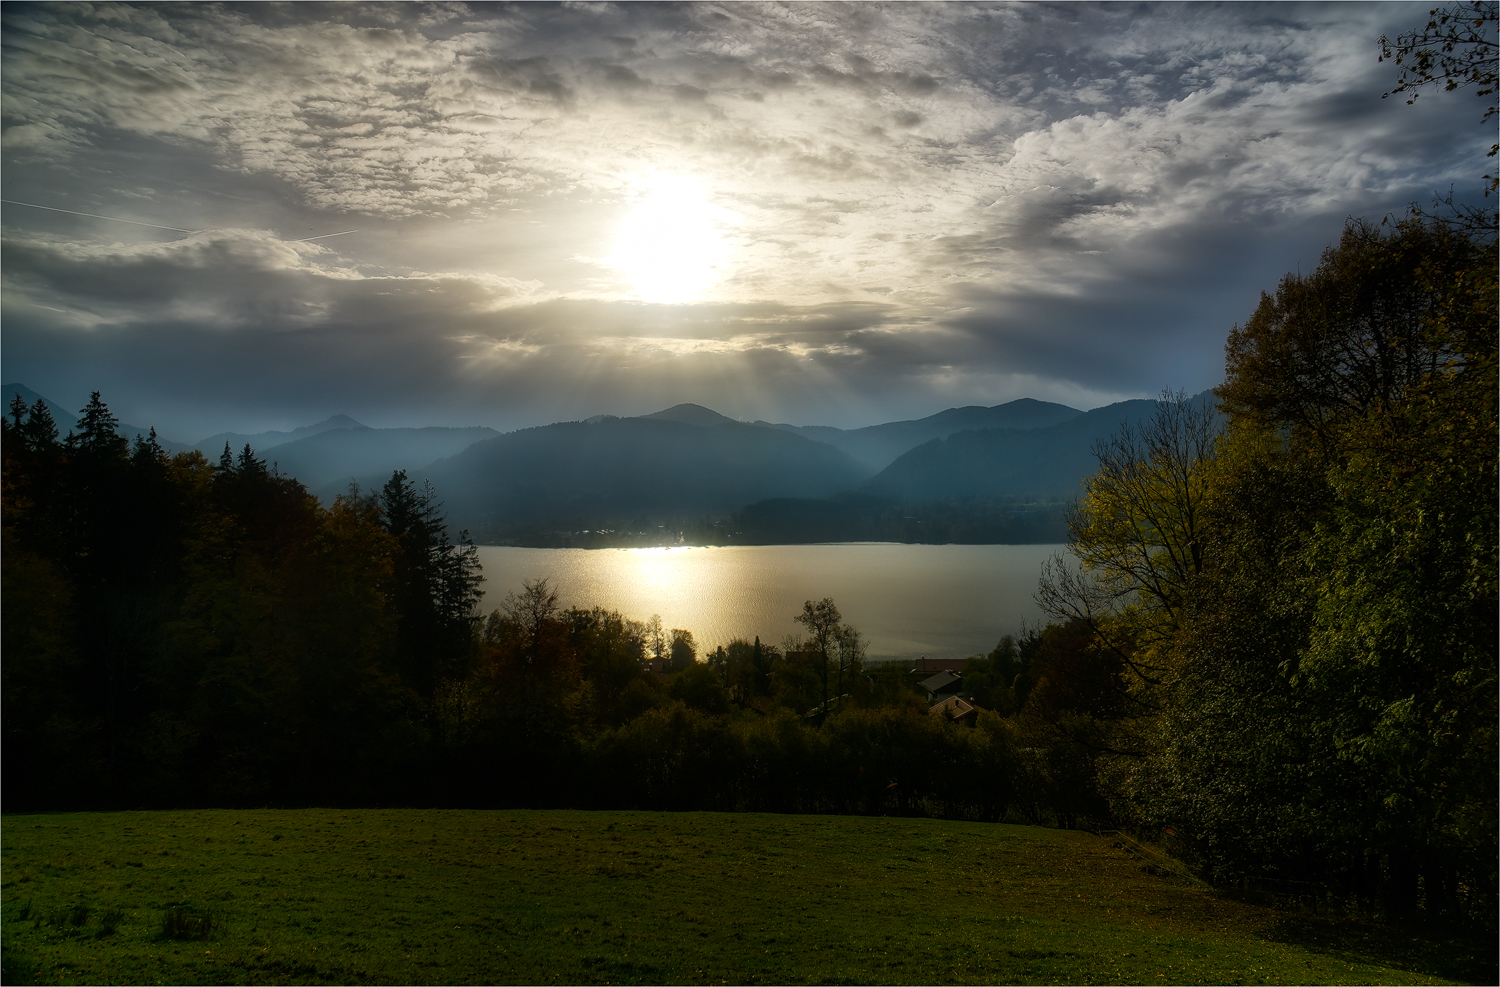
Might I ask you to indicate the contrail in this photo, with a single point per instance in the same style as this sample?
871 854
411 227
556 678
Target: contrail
322 236
174 229
112 219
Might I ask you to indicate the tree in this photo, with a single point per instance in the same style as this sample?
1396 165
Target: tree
822 620
1330 714
97 435
1455 49
850 645
1387 312
533 611
435 584
40 430
832 641
247 465
656 641
747 670
684 650
696 685
1139 536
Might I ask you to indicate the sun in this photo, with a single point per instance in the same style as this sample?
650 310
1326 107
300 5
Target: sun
671 246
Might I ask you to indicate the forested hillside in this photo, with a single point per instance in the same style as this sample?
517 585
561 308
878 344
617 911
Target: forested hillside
177 631
877 446
326 463
584 474
1050 461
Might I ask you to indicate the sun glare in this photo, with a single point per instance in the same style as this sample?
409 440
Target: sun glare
670 247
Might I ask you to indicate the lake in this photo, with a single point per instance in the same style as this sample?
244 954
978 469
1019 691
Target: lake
942 601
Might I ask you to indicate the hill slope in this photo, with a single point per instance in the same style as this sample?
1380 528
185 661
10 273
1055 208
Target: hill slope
559 896
877 446
326 461
262 441
1051 461
621 468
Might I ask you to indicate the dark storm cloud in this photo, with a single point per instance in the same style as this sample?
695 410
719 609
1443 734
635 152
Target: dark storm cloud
912 206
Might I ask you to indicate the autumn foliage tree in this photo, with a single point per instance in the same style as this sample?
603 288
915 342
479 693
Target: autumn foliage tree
1308 602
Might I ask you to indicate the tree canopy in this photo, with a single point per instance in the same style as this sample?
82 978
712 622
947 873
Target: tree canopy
1306 604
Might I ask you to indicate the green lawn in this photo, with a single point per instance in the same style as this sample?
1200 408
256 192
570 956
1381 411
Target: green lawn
430 896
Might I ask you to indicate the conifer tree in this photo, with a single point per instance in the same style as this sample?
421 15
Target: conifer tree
435 584
40 430
97 430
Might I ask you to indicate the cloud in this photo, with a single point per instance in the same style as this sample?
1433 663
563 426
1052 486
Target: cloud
920 205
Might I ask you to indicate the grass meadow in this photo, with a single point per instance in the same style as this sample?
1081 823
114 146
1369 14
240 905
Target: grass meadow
434 896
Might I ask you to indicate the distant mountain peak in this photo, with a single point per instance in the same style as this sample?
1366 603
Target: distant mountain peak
261 441
336 421
692 414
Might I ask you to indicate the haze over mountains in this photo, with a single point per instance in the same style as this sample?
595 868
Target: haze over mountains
971 472
611 471
264 441
1007 462
877 446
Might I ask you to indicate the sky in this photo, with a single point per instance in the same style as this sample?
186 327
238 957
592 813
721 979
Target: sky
838 214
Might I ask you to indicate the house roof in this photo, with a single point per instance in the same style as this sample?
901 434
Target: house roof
940 681
954 707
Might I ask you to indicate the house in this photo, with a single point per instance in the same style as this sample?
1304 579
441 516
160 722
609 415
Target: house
959 710
942 685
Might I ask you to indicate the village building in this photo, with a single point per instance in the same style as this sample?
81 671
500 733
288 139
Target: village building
942 685
957 709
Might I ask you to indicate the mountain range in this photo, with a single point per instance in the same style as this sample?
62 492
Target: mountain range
982 473
877 446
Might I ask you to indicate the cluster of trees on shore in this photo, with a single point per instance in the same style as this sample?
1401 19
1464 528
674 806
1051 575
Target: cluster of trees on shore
179 631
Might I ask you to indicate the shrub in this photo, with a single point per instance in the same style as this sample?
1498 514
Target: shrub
185 923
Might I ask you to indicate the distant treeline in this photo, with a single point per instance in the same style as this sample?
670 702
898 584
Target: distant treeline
800 521
966 521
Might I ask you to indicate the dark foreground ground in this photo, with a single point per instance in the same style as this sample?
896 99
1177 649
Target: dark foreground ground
425 896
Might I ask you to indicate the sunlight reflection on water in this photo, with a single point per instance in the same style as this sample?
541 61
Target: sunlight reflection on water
943 601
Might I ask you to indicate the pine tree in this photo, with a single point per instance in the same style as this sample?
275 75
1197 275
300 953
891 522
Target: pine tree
247 465
17 409
97 430
40 430
435 583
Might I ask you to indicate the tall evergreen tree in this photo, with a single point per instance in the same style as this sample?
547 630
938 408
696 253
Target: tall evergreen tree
98 433
435 584
40 430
